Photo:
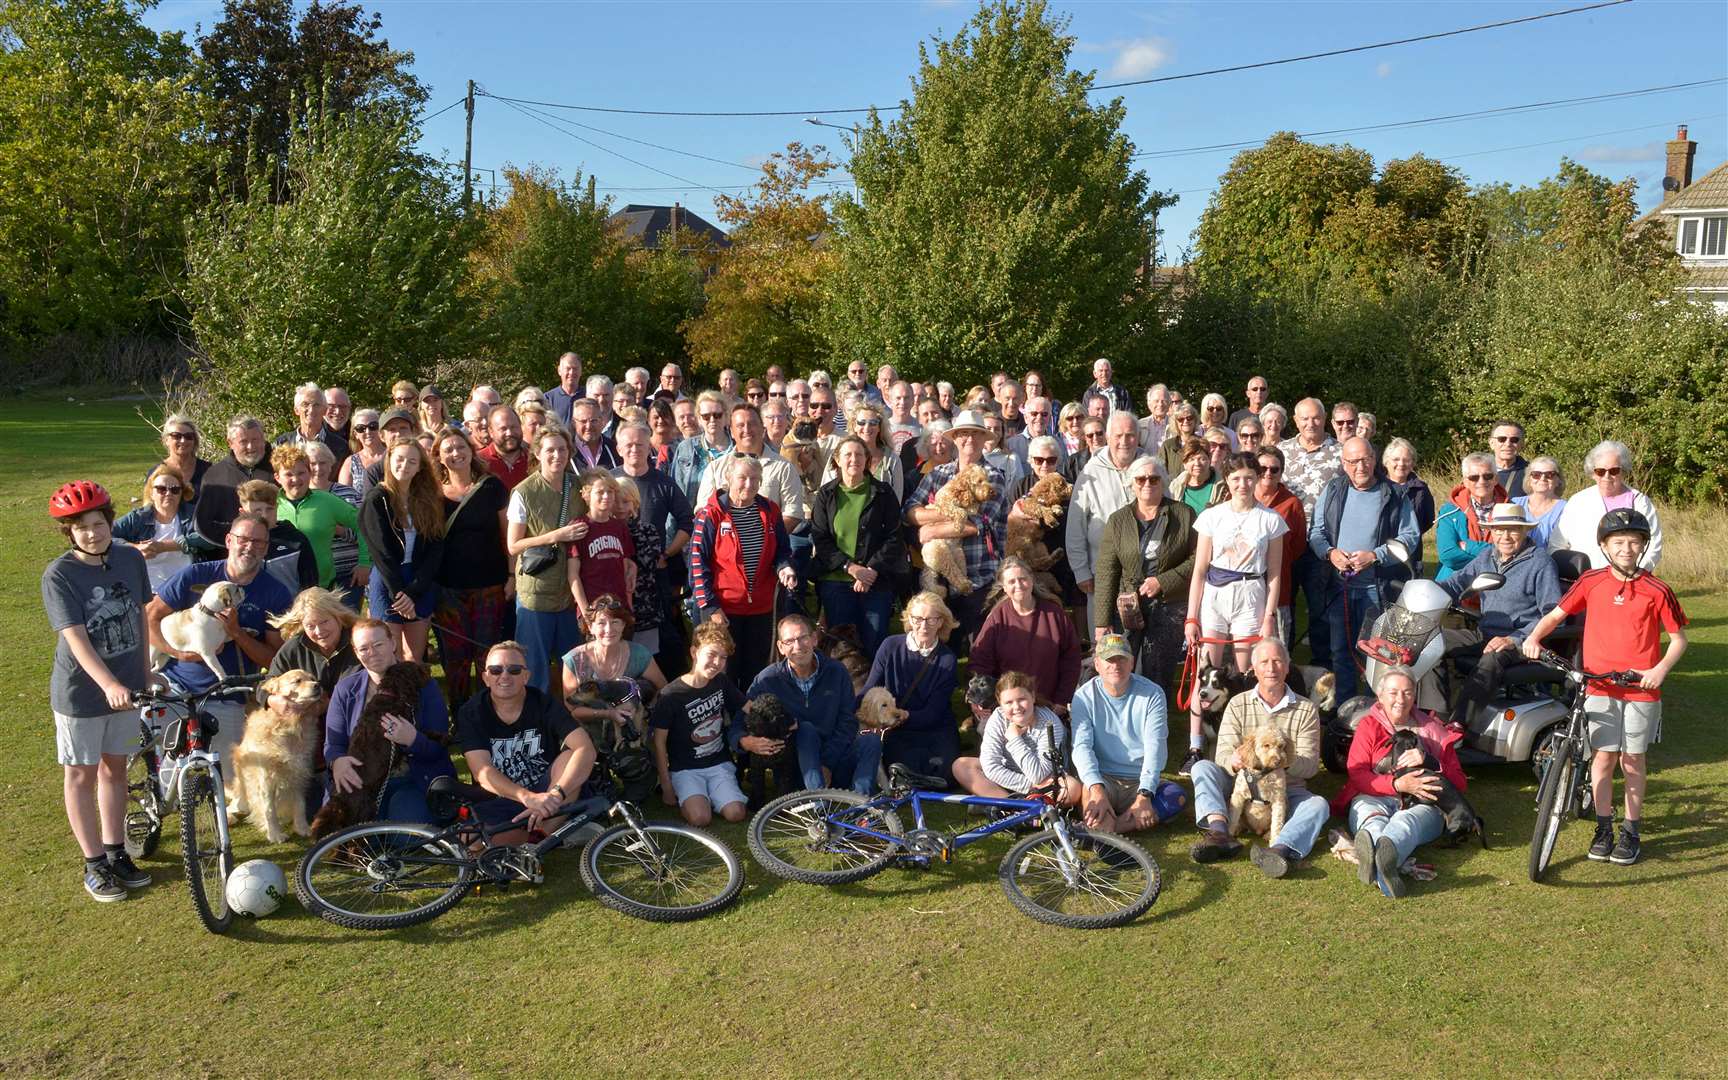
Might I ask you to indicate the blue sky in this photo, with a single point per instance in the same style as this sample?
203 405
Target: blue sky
811 56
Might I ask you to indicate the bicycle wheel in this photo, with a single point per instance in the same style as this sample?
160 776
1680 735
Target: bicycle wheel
680 874
792 837
383 875
143 807
1552 799
1111 881
206 858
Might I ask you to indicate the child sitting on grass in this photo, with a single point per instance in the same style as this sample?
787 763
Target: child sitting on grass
690 721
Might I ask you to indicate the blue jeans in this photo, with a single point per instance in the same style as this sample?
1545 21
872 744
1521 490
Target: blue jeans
545 636
868 757
1312 574
1406 829
405 800
841 759
868 611
1350 610
1303 822
801 545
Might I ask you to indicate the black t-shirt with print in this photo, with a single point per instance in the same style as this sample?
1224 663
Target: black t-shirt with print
523 751
696 722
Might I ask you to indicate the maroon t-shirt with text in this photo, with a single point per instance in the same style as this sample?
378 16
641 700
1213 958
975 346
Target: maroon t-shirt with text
602 555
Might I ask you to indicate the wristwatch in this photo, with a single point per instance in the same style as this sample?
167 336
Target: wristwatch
559 789
1147 795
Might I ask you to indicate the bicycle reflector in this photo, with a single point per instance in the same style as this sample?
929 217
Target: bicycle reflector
174 738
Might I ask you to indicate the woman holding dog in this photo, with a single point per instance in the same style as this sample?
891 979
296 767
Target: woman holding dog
920 670
1391 810
402 523
1144 562
1028 631
607 655
418 739
858 557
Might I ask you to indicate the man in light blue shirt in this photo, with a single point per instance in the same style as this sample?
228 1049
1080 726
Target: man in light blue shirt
1120 723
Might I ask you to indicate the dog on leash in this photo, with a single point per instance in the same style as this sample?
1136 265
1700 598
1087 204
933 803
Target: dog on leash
273 762
1214 689
959 501
879 713
842 646
766 717
199 630
1462 820
1260 798
397 694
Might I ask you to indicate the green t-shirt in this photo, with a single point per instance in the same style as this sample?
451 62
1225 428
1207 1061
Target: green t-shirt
317 515
847 511
1198 497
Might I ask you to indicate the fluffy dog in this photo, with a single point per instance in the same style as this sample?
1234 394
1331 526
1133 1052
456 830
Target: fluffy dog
622 743
398 693
767 717
1260 798
1314 683
842 646
959 501
1462 820
878 712
199 628
980 695
274 759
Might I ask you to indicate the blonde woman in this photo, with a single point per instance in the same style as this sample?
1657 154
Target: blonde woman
180 441
434 416
315 639
920 670
402 522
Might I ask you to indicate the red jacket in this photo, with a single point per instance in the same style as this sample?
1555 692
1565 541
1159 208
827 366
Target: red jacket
1287 506
717 578
1373 741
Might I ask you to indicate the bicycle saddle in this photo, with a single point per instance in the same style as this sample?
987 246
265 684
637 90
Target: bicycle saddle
448 787
902 777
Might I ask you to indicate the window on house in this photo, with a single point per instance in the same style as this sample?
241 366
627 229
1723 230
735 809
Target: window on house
1689 236
1715 238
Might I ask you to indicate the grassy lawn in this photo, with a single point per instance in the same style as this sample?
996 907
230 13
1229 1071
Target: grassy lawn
1604 971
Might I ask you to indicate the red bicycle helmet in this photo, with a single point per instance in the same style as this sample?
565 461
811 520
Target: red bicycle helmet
78 497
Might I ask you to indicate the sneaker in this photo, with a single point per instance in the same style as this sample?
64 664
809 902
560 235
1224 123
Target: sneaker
1272 861
1625 851
1214 846
1603 843
1364 857
1386 873
126 872
1194 757
100 884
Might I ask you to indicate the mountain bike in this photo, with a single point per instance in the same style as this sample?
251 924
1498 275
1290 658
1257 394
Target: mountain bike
1063 875
1564 789
384 875
176 767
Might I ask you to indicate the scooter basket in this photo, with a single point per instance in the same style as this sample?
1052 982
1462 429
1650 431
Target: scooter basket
1408 630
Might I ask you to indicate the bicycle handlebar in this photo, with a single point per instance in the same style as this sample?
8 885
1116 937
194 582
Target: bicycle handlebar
1618 678
185 697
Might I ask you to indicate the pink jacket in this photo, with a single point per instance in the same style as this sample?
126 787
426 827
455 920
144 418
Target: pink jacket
1373 741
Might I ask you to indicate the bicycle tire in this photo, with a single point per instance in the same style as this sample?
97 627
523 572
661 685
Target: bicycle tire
780 824
353 855
611 871
207 864
143 807
1104 856
1552 796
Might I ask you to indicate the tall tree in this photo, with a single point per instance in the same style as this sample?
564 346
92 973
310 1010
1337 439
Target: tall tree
999 220
262 68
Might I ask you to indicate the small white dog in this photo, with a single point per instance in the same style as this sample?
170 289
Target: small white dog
199 628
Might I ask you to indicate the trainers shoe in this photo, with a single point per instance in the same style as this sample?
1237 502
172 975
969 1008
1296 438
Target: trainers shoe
1386 873
1194 757
1271 861
1603 843
126 872
1214 846
1625 851
1364 857
100 884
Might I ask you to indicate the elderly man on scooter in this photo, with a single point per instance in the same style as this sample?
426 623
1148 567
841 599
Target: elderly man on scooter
1509 612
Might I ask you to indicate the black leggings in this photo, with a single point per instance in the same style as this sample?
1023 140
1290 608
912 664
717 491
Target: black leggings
753 647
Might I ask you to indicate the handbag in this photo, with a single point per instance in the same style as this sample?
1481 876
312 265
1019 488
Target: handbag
1129 611
540 558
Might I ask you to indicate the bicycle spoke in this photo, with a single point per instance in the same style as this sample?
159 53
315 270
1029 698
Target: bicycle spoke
1098 887
676 870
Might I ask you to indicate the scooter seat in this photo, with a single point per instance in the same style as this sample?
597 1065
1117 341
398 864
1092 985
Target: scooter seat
1530 673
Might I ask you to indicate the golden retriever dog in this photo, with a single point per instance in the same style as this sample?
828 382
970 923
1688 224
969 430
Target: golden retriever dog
1260 797
959 501
273 762
878 712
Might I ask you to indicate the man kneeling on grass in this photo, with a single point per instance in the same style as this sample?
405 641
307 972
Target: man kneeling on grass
692 722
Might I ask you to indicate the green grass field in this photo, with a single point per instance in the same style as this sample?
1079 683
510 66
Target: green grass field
1603 971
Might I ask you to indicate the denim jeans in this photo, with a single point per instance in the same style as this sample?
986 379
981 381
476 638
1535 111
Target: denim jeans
868 756
1406 829
404 800
801 546
545 636
1304 821
1350 610
840 758
868 611
1312 574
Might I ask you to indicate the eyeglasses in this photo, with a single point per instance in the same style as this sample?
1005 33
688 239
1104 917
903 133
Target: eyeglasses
776 393
366 427
1217 445
1098 435
1044 461
824 406
506 669
753 395
248 541
1479 478
1343 421
798 640
1534 475
165 489
799 397
1148 480
923 620
1615 471
1271 470
180 436
1358 461
1509 438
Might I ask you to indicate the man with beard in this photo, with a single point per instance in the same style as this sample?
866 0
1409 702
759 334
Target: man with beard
338 412
505 456
217 499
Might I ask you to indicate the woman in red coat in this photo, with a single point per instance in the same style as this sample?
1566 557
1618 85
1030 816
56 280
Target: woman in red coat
1391 816
739 557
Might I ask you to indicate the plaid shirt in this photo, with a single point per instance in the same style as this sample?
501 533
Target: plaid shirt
984 551
1306 472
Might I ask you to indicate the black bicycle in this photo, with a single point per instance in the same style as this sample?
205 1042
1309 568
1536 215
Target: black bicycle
1564 766
176 766
385 875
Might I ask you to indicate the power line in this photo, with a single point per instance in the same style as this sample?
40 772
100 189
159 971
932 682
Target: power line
1106 86
627 138
538 118
1575 138
444 110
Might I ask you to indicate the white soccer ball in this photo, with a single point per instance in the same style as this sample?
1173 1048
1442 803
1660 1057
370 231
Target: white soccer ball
256 888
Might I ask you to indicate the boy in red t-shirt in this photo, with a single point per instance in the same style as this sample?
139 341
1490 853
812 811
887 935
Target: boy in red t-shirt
604 560
1625 612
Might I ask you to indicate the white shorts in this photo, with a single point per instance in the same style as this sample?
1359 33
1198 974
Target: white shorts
82 740
717 783
1625 727
1235 609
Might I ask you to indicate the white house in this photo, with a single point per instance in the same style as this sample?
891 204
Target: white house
1695 214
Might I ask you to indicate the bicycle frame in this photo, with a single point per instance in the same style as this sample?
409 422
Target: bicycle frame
1030 811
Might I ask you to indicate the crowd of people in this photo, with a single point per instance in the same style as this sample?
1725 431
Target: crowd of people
706 547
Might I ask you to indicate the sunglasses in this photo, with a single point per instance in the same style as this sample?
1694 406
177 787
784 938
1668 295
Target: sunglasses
1509 438
1148 480
1349 421
506 669
1219 445
1479 478
869 422
165 489
710 415
1095 435
181 436
1271 470
753 395
1615 471
1044 461
822 405
776 393
366 427
1544 475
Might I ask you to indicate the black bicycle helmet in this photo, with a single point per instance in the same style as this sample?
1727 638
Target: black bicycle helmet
1619 521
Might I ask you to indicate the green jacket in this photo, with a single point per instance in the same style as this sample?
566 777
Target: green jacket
1119 567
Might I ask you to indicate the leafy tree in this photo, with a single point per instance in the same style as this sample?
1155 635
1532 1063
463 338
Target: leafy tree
358 281
99 147
764 292
999 221
261 67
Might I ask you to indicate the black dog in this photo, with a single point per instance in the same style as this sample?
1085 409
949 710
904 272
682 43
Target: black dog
767 717
1461 818
981 692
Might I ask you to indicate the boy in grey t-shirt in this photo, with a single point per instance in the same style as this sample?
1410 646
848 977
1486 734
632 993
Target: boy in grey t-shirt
94 596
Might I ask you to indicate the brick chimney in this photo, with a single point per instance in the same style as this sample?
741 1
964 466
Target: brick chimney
1681 153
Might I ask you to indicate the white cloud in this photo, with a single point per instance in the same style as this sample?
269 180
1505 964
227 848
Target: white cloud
1139 57
1384 69
1651 151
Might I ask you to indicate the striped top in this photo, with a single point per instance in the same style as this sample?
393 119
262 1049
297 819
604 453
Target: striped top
748 526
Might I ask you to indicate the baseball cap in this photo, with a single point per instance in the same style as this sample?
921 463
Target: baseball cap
390 415
1111 646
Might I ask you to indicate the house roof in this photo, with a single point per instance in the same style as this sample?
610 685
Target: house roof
1708 192
1709 278
647 223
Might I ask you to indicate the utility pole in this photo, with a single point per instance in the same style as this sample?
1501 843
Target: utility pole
468 153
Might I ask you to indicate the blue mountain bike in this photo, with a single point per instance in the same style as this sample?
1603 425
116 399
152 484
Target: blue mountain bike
1063 875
